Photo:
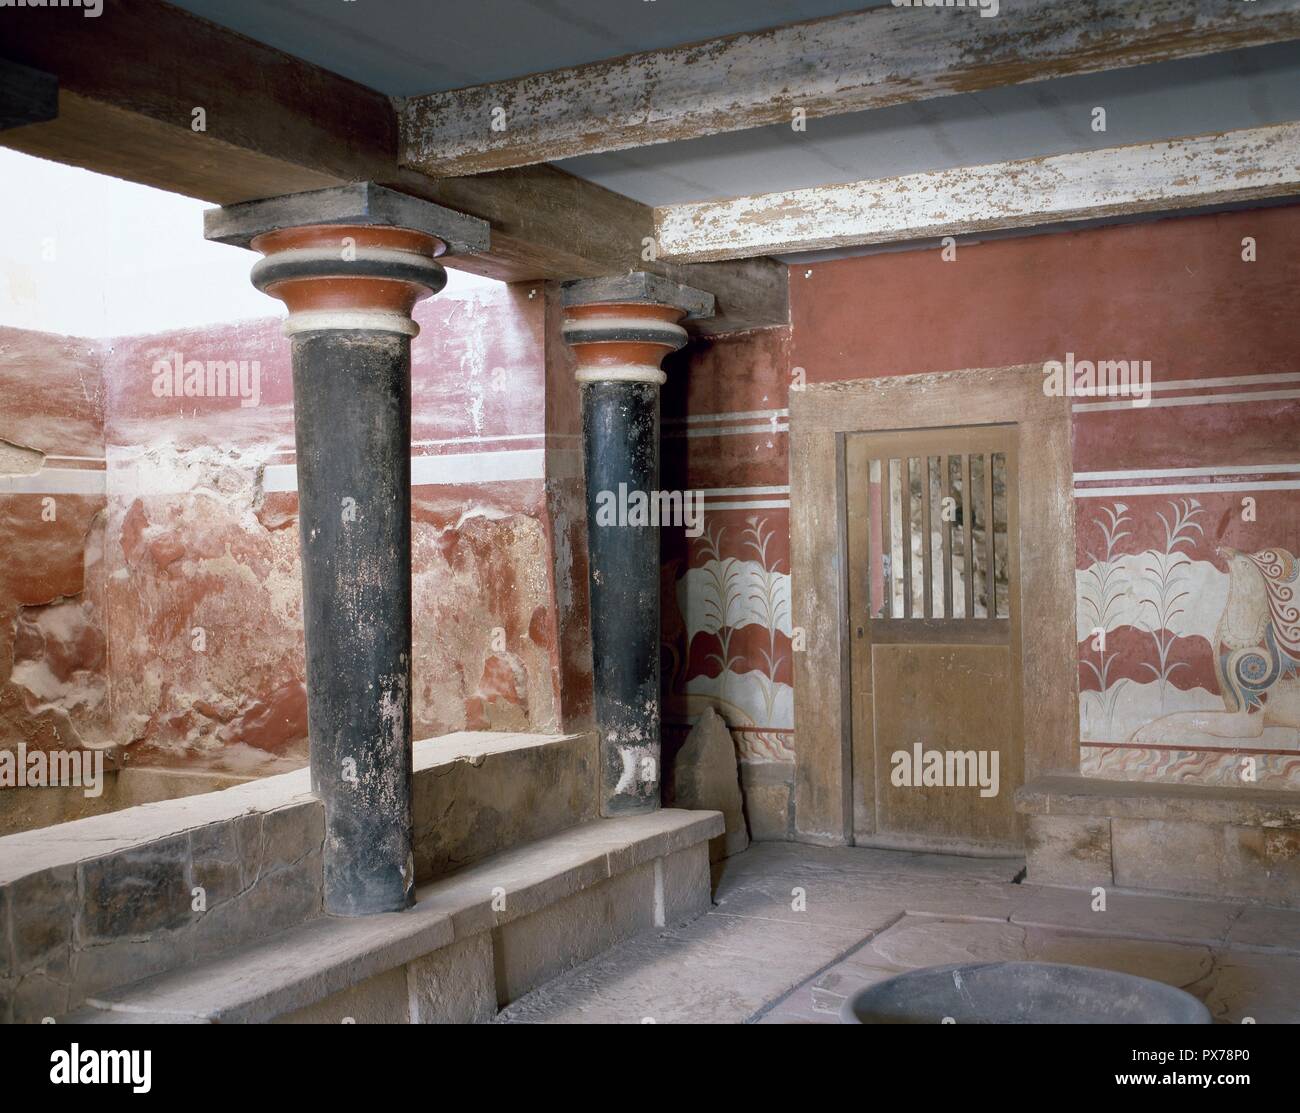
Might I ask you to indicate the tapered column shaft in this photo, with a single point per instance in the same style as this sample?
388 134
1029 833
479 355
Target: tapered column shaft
350 264
620 432
620 329
352 418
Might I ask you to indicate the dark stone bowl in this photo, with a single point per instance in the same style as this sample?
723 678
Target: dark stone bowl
1021 993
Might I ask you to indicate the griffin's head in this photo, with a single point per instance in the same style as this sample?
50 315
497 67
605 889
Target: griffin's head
1228 554
1239 563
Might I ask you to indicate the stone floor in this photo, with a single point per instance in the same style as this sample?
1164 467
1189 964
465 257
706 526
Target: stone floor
796 928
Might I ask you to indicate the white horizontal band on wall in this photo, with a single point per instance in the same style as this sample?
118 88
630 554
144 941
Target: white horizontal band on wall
1188 400
1184 489
529 464
728 492
728 431
1228 381
757 504
465 468
1182 473
56 481
733 415
487 439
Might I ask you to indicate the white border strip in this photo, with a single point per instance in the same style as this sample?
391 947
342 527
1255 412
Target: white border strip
1230 380
729 492
467 468
56 481
1175 473
485 439
463 469
729 431
732 415
479 467
1183 489
1188 400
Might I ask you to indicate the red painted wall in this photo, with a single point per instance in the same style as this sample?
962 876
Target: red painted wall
1174 291
1216 328
191 639
53 674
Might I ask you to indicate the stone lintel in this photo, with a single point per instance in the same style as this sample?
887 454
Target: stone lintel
361 203
638 286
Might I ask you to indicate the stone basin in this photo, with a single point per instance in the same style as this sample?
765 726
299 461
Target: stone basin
1021 993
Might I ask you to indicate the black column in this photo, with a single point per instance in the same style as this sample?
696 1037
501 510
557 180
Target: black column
620 329
351 263
352 423
620 432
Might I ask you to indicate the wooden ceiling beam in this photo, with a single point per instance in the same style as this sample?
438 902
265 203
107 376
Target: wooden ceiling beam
1205 170
130 84
825 67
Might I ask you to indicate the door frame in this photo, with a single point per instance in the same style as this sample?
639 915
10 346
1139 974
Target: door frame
821 415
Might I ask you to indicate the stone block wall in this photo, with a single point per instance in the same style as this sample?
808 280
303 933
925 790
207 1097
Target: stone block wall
124 896
467 981
1204 841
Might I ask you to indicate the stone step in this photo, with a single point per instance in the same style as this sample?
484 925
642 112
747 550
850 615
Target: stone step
1195 840
475 941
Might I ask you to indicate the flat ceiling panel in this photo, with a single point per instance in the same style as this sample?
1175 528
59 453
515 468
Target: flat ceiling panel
406 47
1245 88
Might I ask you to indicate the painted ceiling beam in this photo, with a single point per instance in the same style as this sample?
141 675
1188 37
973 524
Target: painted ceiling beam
825 67
153 94
1204 170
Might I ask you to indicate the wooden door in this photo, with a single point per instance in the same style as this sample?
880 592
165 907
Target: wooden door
934 611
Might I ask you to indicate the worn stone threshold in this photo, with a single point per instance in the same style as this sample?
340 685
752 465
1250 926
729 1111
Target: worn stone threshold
1092 796
306 964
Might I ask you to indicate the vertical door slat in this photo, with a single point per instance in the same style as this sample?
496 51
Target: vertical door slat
945 534
868 526
990 563
905 514
927 588
887 535
967 513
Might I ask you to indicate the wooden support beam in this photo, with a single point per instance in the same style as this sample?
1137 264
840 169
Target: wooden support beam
1246 165
129 84
27 96
843 63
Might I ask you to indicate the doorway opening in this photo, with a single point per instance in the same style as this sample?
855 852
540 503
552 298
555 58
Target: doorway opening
932 558
933 549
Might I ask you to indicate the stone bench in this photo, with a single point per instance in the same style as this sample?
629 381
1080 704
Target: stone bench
25 809
1227 843
106 901
475 940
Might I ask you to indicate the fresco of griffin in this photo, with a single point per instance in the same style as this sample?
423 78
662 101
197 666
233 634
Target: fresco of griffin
1257 648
